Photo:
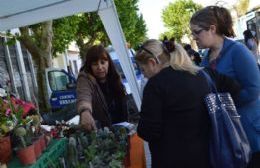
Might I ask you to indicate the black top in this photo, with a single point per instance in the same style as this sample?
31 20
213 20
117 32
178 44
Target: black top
116 107
174 119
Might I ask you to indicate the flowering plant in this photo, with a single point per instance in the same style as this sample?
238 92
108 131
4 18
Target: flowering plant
10 115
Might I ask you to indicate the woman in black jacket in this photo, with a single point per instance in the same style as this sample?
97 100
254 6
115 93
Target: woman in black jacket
174 119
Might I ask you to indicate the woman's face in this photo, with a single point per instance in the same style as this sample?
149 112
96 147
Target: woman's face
150 69
100 69
203 38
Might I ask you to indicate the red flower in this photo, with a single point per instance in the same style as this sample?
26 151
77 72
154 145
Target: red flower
8 112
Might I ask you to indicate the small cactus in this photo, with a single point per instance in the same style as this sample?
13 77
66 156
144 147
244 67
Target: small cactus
21 133
36 121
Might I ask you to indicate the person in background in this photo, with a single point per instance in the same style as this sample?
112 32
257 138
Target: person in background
211 27
195 56
100 93
251 43
174 119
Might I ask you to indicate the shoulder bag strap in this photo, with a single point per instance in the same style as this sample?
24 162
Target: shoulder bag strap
211 84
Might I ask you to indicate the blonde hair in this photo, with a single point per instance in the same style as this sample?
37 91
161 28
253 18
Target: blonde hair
181 61
156 51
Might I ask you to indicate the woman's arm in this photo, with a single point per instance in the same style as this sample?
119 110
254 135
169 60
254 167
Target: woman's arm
84 102
247 74
84 93
150 124
225 84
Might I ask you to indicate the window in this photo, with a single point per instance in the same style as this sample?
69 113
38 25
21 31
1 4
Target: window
75 67
58 80
120 70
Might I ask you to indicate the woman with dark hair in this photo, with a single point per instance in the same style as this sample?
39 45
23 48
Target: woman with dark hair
211 27
101 95
194 55
251 43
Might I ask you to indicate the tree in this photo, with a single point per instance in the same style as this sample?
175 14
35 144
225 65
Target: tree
91 29
132 23
241 7
43 41
38 41
176 17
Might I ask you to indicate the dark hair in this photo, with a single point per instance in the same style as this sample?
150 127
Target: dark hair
96 53
170 45
214 15
187 47
247 35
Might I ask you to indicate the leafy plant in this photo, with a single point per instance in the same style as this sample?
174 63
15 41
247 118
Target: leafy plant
100 149
10 115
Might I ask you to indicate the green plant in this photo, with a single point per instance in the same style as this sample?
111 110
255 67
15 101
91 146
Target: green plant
21 133
10 115
24 138
99 149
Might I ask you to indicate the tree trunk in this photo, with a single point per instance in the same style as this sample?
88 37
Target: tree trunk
42 86
42 57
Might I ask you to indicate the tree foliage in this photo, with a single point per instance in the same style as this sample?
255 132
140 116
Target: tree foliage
91 30
133 24
241 7
176 17
64 31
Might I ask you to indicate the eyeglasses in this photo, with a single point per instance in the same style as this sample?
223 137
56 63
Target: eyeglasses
146 50
196 32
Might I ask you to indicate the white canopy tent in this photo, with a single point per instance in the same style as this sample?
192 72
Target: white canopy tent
18 13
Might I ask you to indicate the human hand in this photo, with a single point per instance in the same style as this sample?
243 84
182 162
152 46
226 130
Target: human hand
87 121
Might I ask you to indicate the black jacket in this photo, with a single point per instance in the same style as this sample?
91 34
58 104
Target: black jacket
174 119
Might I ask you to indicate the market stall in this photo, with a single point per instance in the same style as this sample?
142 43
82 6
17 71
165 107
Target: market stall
48 145
67 146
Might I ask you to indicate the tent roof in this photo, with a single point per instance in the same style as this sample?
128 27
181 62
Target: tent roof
17 13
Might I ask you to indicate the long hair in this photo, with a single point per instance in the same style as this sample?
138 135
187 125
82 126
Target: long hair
214 15
152 49
181 61
169 52
96 53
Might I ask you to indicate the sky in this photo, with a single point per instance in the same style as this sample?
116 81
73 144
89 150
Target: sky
152 11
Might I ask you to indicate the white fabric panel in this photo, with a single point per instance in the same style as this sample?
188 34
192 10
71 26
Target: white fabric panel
112 25
16 6
22 15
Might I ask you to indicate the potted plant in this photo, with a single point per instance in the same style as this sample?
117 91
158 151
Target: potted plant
103 148
25 149
36 134
6 125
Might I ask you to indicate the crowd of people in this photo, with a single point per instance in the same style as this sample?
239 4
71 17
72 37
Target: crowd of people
173 117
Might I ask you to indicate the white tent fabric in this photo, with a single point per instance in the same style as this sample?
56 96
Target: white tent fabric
18 13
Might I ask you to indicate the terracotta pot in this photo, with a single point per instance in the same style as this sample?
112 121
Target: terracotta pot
43 142
37 147
5 149
27 155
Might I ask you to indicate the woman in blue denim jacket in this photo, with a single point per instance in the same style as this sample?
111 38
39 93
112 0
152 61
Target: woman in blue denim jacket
211 27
